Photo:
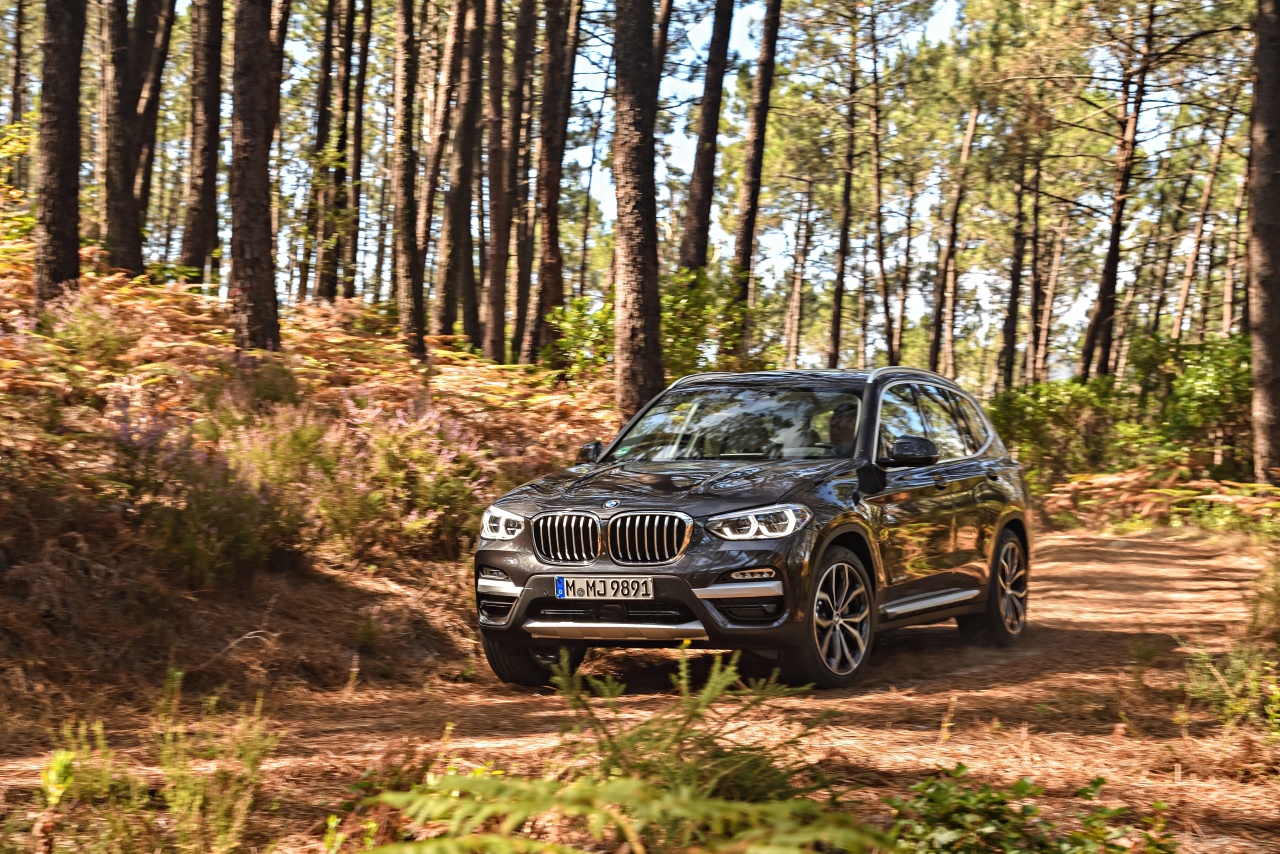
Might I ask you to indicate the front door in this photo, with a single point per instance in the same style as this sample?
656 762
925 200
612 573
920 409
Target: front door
917 512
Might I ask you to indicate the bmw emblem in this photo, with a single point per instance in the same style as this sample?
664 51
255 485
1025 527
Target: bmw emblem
611 503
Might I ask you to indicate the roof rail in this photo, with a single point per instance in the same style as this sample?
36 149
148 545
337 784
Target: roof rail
918 372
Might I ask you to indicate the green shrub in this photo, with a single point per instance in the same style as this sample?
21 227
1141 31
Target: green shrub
91 331
951 814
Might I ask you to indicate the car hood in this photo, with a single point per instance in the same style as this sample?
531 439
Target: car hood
699 488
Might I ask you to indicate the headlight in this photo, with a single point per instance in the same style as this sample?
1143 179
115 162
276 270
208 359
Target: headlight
499 524
767 523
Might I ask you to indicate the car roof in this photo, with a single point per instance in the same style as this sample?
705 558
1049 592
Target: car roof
821 377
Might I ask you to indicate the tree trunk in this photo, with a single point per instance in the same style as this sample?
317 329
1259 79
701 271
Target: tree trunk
441 121
749 189
18 92
200 223
1233 258
517 163
581 286
408 267
148 111
1175 227
702 181
495 313
1046 316
904 271
1264 242
1009 336
846 203
1099 335
877 193
1037 276
560 53
330 249
456 274
1202 218
526 208
57 231
637 330
943 287
280 10
795 305
313 219
253 286
123 226
351 227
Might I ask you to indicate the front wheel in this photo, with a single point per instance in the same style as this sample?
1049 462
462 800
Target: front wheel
1005 616
517 663
841 630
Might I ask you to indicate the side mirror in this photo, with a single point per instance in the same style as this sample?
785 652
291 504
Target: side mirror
912 452
590 452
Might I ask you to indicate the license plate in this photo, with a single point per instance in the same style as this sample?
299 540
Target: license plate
603 587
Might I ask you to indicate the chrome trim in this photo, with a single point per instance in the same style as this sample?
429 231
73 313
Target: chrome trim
740 590
498 588
927 603
563 540
616 631
647 537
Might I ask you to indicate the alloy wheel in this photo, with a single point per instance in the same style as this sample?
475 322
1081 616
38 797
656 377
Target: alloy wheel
842 618
1012 575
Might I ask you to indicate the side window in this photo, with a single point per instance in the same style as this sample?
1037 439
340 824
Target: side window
945 432
975 429
899 416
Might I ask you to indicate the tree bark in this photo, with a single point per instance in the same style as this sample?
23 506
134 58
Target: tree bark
1101 325
313 220
795 304
637 330
495 313
846 202
122 236
943 295
877 192
526 209
702 181
441 122
57 231
148 112
1009 333
1037 275
200 223
560 53
1264 242
408 267
749 189
253 286
456 277
904 270
351 227
18 91
1233 257
330 249
1202 218
1046 315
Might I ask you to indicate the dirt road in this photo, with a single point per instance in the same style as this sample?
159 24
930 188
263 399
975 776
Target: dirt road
1092 691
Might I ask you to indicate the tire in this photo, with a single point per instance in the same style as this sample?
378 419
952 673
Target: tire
1004 618
519 663
841 627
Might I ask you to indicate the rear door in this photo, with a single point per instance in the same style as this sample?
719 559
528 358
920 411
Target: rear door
916 535
961 475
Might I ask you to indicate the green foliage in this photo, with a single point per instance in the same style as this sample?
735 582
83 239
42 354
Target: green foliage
1057 427
697 742
210 773
90 330
696 312
951 814
586 327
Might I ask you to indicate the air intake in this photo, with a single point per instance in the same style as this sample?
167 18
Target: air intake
566 537
647 538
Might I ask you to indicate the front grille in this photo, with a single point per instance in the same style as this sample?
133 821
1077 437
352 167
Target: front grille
567 537
639 538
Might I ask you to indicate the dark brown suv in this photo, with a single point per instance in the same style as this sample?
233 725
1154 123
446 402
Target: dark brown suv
794 513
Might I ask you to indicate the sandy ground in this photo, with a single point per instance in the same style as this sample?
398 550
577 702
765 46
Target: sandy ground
1093 690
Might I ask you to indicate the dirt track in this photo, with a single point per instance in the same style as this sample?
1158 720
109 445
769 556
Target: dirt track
1092 691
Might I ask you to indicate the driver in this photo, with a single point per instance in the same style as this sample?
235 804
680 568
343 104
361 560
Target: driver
844 429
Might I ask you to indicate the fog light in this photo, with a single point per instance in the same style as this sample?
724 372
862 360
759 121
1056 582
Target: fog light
496 574
752 574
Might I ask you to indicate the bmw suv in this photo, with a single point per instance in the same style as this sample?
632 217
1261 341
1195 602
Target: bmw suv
793 513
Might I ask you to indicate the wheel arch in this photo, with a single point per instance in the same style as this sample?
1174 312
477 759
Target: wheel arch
856 537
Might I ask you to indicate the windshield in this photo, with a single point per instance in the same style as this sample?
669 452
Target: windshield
744 424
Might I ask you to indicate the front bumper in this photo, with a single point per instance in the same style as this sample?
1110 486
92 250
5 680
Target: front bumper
693 600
